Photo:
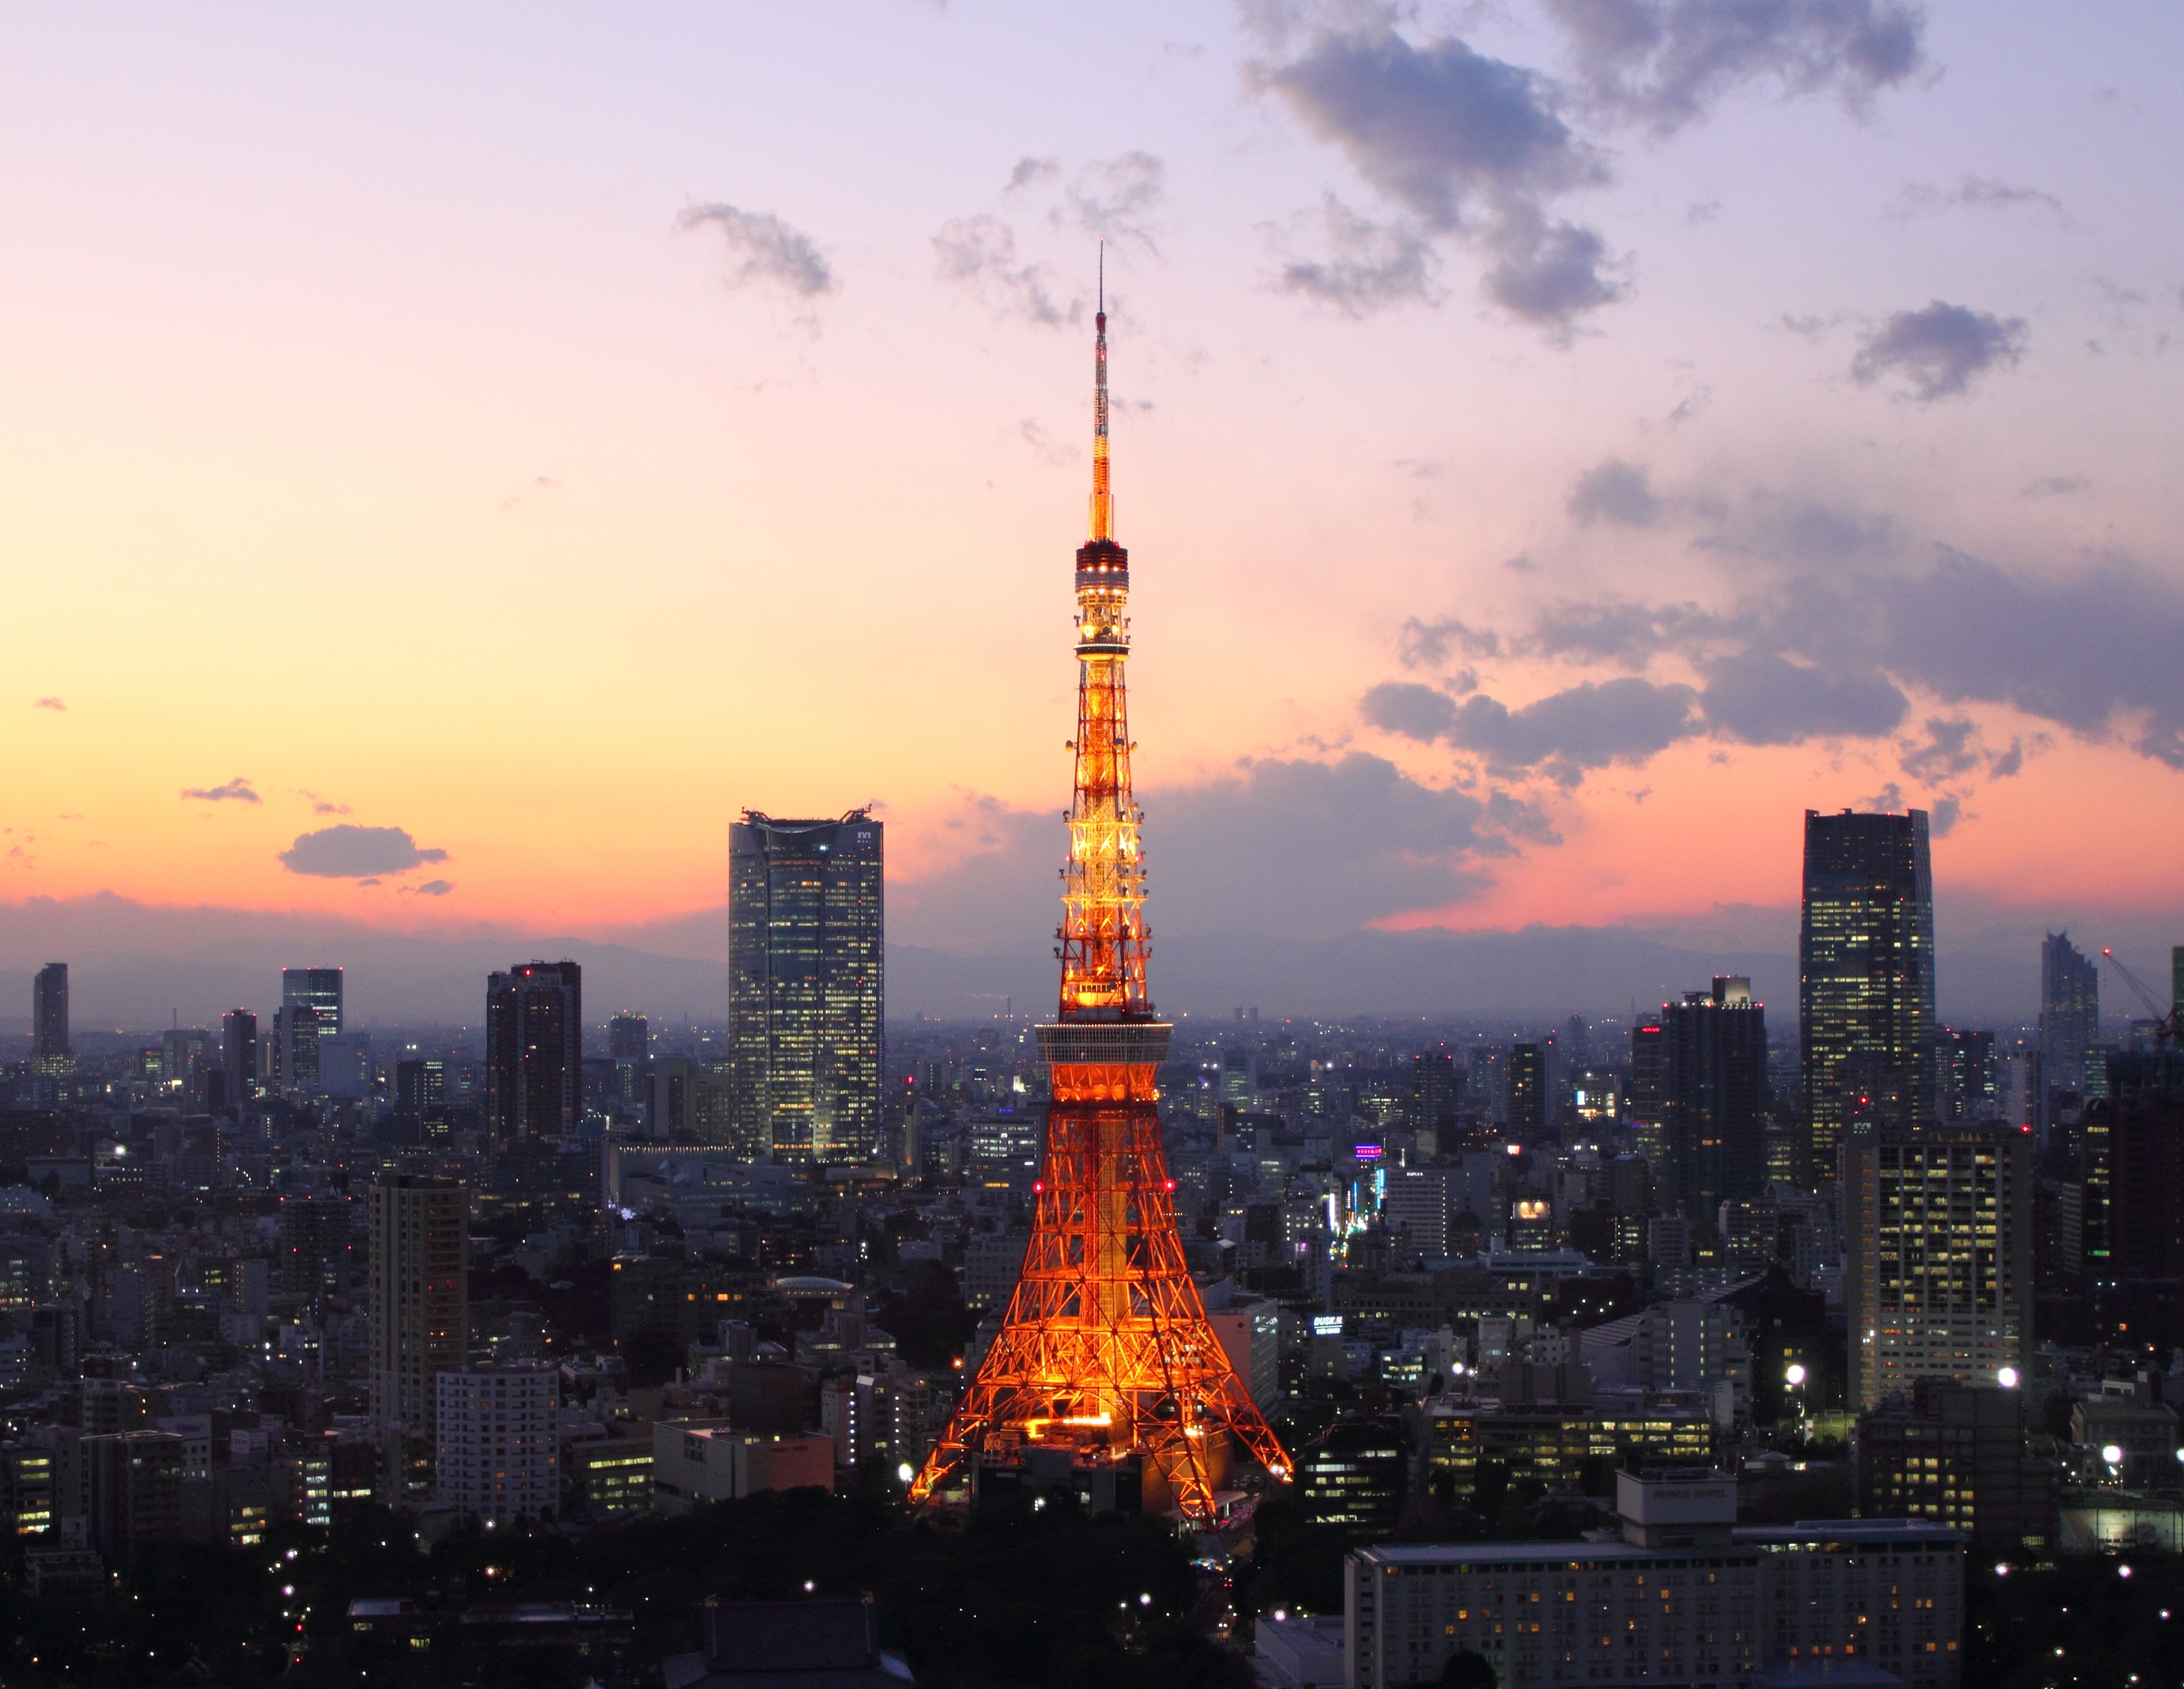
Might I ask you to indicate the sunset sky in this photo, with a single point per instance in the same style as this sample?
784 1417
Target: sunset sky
1558 442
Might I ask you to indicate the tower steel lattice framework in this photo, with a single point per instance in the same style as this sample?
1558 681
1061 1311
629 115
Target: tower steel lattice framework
1104 1352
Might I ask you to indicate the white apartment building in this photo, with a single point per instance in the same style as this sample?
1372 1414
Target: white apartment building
498 1452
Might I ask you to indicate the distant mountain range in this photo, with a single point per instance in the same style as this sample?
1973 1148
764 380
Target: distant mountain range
137 967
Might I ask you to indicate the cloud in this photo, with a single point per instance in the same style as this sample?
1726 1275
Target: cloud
1588 726
763 250
1467 145
1047 449
1426 644
1764 697
432 887
347 851
321 805
236 790
1943 816
49 703
1663 64
1549 275
1615 492
979 253
1939 350
2054 486
1976 194
1367 267
1031 172
1405 707
1114 197
1947 753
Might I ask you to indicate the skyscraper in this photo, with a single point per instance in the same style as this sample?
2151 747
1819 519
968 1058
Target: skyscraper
805 996
310 1008
49 1013
534 1050
1528 1092
1715 1121
629 1047
1938 1282
1866 975
418 1310
2069 1013
238 1055
1649 1093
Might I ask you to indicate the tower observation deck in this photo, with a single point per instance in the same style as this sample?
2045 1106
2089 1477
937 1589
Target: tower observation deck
1106 1368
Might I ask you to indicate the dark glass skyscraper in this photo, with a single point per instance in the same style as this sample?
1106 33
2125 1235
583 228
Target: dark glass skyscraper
2069 1013
310 1009
238 1055
534 1050
805 996
1715 1120
1528 1092
49 1012
1865 958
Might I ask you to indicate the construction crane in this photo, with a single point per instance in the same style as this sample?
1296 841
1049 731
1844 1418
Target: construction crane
2166 1027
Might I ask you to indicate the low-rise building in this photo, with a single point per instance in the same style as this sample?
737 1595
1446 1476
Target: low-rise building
1957 1454
709 1460
1684 1598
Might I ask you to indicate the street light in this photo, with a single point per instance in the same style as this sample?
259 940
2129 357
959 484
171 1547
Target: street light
1794 1378
2006 1378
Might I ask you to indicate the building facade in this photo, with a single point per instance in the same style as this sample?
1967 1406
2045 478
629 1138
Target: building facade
1865 957
1715 1120
806 1001
238 1055
497 1446
2070 1013
49 1013
1956 1454
1685 1599
534 1052
1938 1282
418 1308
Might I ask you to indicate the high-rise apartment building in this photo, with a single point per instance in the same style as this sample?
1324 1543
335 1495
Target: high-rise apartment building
1649 1093
497 1451
1866 975
805 996
1969 1077
1715 1121
421 1090
1436 1089
49 1013
1938 1282
1528 1092
2070 1013
418 1309
238 1055
629 1038
534 1050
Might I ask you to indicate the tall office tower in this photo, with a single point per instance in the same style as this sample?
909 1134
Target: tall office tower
310 1008
629 1047
1865 997
2070 1013
1938 1284
806 998
419 1309
1436 1089
1715 1120
1967 1076
2143 1146
421 1090
315 1237
185 1053
238 1055
1236 1089
1106 1375
1649 1094
534 1050
1528 1092
49 1013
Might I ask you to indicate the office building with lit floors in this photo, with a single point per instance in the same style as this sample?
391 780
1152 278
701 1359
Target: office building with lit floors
418 1309
1715 1120
1938 1281
1865 962
1685 1599
1957 1454
806 1002
497 1455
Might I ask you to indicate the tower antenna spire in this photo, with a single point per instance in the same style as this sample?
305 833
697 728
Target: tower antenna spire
1103 497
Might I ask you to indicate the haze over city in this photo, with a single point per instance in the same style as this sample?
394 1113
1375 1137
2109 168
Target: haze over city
454 464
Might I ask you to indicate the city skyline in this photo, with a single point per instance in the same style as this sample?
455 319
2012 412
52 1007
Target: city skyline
1831 474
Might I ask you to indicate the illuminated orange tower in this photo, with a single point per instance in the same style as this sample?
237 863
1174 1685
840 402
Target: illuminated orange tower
1105 1356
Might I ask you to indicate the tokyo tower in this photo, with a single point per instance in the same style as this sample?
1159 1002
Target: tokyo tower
1105 1356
